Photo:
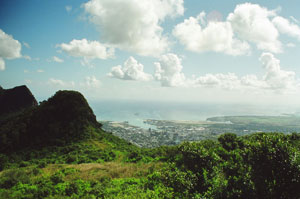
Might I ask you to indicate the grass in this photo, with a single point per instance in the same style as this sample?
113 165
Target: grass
100 145
96 171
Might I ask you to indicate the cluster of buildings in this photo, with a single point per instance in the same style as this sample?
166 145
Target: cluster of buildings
162 133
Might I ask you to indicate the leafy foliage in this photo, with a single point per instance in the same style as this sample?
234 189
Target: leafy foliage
103 147
262 165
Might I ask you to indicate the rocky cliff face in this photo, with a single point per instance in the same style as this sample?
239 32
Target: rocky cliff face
15 99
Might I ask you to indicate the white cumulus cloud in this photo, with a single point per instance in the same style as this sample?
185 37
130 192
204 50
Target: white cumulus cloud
87 49
286 27
131 70
168 71
252 23
275 77
9 48
198 35
134 25
248 24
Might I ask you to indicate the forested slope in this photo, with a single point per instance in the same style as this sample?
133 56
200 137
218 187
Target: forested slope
58 150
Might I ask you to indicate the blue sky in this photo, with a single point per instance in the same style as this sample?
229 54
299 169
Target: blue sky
162 50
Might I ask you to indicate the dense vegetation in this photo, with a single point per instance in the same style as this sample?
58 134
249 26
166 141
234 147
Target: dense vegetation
58 150
262 165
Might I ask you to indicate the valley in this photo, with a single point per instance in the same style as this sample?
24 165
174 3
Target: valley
172 132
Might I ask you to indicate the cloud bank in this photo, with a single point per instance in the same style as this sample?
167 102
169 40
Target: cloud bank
133 25
198 35
252 23
275 79
247 24
169 72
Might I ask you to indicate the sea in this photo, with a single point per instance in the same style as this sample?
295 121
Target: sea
135 112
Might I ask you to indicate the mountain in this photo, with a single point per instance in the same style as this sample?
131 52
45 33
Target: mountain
15 99
61 119
62 129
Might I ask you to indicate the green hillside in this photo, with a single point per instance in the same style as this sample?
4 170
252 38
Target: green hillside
62 129
58 150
